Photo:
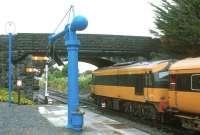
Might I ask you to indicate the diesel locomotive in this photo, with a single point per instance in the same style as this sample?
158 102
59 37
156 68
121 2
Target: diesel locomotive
151 89
184 92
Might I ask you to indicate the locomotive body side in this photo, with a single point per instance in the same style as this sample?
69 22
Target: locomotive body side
148 88
143 83
184 94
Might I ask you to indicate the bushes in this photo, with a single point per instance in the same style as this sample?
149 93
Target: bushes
84 82
4 97
58 81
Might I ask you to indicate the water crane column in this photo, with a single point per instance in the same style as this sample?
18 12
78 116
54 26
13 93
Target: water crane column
75 116
10 29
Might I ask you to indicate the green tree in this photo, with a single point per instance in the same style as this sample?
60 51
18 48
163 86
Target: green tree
57 74
65 70
178 25
52 69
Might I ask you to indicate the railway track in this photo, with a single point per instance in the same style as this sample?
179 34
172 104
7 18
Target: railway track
62 98
86 102
58 96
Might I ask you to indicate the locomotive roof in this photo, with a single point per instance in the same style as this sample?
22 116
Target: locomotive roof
136 68
188 65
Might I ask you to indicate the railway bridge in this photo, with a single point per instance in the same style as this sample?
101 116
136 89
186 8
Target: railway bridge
99 50
94 48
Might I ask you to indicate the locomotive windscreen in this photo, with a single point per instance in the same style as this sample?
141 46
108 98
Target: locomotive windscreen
161 79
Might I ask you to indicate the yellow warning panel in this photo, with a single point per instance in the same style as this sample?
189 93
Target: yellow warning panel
39 58
31 70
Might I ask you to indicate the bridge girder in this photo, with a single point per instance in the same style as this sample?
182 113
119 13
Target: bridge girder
91 44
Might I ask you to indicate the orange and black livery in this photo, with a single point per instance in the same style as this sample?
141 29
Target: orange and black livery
135 88
152 89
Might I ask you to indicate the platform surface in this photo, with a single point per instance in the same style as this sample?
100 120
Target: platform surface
51 120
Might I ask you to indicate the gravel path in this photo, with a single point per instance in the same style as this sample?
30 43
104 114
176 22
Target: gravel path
25 120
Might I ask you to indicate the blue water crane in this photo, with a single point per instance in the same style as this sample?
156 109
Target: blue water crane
10 28
10 69
75 116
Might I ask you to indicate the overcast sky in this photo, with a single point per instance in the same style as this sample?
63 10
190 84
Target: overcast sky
120 17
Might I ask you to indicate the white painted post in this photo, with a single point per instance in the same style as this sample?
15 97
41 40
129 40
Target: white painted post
46 83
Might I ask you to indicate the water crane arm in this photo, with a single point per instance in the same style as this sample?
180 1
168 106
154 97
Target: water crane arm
53 37
78 23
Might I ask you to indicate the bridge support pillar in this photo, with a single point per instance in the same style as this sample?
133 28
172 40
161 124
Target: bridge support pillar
3 74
